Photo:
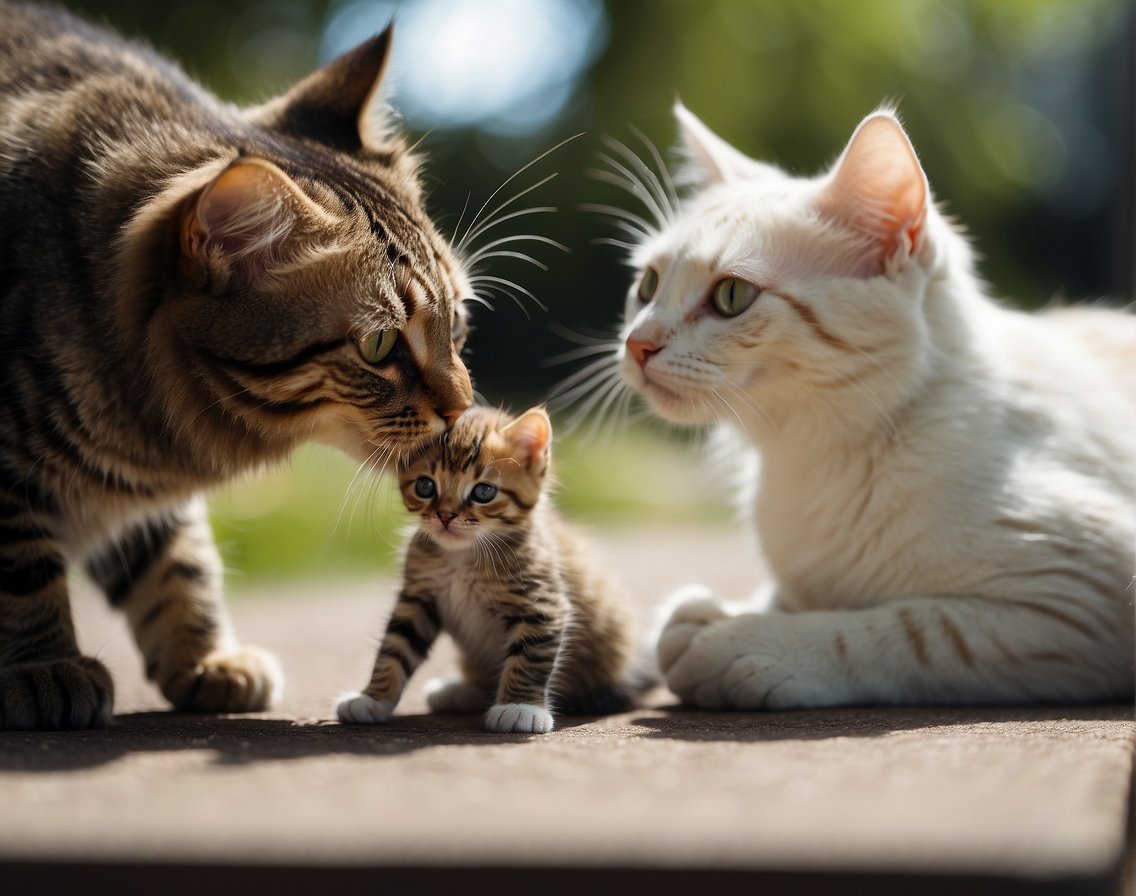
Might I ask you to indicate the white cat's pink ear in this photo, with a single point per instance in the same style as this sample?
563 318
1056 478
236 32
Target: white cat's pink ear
243 215
878 188
530 435
710 159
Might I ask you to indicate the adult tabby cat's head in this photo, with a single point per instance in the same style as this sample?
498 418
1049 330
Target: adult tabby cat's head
765 291
477 483
304 292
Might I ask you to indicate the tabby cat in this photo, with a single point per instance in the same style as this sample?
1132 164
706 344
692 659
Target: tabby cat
187 291
538 626
944 489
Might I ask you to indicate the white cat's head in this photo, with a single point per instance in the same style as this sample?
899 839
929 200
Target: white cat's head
766 291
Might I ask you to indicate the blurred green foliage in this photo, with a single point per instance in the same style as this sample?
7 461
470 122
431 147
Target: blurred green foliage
1021 110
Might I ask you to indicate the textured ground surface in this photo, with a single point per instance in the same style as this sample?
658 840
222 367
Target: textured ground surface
906 800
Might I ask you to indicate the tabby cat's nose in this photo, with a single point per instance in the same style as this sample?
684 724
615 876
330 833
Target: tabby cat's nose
446 517
641 350
451 417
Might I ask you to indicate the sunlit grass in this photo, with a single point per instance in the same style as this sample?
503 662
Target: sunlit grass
316 516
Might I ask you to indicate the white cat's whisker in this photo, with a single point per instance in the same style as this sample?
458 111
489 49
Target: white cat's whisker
648 178
633 223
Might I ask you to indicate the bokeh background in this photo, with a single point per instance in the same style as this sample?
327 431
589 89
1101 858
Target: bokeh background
1021 110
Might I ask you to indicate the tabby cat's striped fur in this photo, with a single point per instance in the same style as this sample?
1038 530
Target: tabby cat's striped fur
188 290
538 626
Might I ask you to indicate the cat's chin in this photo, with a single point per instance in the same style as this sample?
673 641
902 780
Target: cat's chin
673 407
450 541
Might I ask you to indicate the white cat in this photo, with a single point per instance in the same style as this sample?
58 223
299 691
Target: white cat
945 495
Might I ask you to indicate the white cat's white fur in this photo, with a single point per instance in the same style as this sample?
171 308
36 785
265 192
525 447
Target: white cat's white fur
945 495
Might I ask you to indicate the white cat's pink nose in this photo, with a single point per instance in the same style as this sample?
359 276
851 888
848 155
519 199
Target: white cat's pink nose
641 349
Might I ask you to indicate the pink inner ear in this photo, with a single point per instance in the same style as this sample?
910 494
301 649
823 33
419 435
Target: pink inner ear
243 210
879 189
531 433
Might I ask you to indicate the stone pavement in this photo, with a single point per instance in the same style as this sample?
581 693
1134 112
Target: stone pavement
932 800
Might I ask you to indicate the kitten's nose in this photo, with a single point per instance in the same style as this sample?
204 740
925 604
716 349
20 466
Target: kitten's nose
446 517
641 350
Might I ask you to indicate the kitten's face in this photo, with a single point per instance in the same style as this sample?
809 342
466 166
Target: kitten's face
477 484
768 287
313 296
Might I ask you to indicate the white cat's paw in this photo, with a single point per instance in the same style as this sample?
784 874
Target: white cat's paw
518 718
691 610
456 695
359 709
720 664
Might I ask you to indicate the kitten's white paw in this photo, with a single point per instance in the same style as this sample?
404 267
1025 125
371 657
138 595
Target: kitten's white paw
359 709
518 718
456 695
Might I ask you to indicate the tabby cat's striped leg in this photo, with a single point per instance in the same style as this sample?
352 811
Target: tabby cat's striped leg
522 693
413 627
166 575
44 682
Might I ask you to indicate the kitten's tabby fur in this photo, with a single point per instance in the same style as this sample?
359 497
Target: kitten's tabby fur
538 626
945 495
188 290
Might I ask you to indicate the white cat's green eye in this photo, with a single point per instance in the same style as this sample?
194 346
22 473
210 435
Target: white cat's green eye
648 285
376 345
732 296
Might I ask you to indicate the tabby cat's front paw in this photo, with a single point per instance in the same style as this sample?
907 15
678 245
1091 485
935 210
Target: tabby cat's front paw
359 709
518 718
246 679
456 695
59 695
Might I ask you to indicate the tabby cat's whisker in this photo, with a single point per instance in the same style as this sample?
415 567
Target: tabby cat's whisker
506 286
494 222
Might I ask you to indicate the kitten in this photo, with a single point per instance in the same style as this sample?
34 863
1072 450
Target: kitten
187 291
945 488
538 626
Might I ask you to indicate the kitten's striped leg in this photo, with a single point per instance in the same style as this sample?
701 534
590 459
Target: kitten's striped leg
166 575
44 681
522 693
936 649
413 627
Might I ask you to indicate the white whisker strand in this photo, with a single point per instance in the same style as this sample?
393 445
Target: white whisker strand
668 181
650 179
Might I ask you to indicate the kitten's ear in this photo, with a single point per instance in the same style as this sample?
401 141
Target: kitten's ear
341 104
711 160
241 218
878 188
531 435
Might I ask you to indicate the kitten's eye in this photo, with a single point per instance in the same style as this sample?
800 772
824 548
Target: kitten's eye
483 492
648 285
424 487
733 296
376 345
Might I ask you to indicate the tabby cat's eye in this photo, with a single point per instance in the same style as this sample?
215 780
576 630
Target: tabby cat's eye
376 345
483 492
732 296
648 285
424 487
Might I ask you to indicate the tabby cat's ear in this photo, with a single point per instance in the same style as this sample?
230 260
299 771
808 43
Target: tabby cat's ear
241 218
878 188
530 435
341 105
710 159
